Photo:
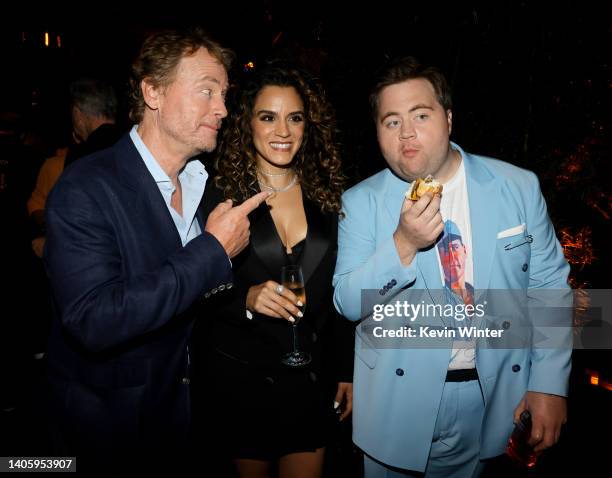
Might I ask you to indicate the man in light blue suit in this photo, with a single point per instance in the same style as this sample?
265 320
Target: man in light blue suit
441 411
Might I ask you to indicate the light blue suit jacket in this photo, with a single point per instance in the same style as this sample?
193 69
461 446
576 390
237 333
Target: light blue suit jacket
397 392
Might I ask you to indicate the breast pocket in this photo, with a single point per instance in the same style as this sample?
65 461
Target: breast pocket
515 252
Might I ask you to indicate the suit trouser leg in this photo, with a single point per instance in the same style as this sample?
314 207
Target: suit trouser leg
455 447
456 442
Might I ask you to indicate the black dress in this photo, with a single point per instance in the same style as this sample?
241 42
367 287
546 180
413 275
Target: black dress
253 405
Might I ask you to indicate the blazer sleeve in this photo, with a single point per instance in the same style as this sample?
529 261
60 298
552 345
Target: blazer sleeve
363 261
230 303
550 301
100 304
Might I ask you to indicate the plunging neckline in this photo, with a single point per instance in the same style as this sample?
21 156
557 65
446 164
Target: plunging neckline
285 248
278 234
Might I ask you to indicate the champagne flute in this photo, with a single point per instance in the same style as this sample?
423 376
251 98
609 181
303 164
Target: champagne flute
293 279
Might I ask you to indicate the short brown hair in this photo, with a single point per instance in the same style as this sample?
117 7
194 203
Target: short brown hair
408 68
159 56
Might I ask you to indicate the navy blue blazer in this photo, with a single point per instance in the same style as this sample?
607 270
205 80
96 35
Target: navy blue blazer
124 289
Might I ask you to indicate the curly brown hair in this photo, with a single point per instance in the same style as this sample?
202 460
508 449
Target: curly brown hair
159 57
317 163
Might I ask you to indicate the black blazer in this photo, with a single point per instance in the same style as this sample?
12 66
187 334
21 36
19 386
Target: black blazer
254 347
123 286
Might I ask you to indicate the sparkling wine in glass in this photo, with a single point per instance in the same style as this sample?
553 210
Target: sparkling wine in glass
293 279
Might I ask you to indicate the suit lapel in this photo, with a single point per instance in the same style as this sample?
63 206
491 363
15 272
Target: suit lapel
483 197
265 242
429 268
148 201
395 188
317 238
199 216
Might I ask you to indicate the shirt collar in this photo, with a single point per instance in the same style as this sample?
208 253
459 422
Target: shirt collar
159 175
191 169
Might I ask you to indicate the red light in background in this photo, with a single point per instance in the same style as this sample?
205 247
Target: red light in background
577 246
595 380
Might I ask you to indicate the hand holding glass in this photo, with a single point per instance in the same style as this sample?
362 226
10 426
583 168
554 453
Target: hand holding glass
293 279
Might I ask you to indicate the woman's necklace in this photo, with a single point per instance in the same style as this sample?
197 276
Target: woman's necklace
279 190
274 175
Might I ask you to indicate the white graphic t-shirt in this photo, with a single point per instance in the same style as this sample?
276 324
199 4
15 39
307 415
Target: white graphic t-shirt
455 259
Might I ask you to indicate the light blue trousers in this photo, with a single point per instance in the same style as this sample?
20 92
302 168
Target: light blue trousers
456 441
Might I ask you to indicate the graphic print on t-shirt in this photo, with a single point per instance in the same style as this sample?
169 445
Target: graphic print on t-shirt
454 256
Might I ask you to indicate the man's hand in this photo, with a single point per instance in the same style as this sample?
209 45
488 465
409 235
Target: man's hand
344 399
230 225
548 414
419 226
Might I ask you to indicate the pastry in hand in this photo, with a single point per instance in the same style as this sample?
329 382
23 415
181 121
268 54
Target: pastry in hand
421 186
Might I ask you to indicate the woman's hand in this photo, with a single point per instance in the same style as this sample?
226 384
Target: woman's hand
343 402
274 300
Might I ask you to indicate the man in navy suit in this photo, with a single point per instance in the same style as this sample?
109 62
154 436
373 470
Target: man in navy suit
128 254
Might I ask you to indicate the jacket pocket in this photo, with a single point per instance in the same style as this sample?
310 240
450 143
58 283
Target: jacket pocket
512 231
367 356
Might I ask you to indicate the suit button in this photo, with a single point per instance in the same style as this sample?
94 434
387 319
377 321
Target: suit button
399 372
314 337
185 381
207 295
270 380
313 377
393 282
222 287
516 368
229 286
506 325
525 267
214 291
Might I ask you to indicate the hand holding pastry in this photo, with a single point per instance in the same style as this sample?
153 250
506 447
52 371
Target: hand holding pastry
420 223
421 186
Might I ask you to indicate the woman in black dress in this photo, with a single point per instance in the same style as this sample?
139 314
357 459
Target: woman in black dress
263 413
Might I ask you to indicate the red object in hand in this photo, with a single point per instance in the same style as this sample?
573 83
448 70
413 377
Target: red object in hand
518 449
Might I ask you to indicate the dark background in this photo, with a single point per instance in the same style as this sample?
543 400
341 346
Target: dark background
531 81
531 84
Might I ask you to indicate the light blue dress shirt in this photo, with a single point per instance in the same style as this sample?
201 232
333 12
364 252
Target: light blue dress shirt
193 181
